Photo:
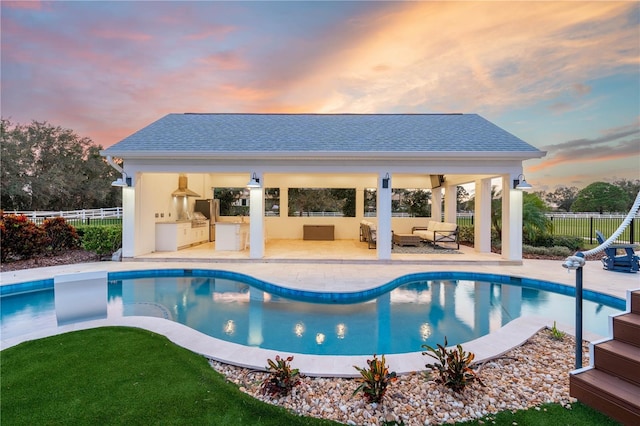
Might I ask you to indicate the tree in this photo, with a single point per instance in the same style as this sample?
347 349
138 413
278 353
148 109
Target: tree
417 202
462 196
227 197
562 198
601 197
631 188
50 168
534 221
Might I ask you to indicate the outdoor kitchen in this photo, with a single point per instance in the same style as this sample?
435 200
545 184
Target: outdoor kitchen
198 222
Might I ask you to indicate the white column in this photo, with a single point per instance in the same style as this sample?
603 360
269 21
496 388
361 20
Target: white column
383 239
511 220
284 202
482 219
450 204
360 203
129 222
256 225
436 204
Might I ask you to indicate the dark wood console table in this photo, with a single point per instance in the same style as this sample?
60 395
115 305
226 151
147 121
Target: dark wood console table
318 232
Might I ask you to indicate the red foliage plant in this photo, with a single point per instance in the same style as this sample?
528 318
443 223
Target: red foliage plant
62 236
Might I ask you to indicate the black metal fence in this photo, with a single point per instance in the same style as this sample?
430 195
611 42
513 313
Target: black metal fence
583 225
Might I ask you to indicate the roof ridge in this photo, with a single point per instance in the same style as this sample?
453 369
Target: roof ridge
318 113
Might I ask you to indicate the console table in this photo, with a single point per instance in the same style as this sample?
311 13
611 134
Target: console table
318 232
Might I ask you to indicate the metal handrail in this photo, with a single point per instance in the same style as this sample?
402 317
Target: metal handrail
577 262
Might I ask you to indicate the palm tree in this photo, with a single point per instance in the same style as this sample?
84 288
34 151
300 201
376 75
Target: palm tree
534 220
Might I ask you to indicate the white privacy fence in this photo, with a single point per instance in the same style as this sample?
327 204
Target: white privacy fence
84 215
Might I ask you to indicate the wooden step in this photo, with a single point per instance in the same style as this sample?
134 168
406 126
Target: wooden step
619 359
626 328
635 302
608 394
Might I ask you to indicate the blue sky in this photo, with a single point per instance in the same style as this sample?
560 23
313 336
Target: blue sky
563 76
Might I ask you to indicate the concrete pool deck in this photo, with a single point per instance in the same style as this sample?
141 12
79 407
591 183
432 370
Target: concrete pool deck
334 277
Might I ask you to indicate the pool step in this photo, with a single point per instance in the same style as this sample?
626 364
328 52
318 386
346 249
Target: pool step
635 302
618 359
611 384
626 328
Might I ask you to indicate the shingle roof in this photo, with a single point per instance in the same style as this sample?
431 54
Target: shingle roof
211 133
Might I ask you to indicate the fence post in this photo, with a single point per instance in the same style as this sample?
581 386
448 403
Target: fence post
590 229
632 231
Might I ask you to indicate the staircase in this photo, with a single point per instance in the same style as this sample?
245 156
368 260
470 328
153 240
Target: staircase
611 384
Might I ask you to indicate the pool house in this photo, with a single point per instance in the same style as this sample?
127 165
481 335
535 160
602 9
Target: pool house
175 170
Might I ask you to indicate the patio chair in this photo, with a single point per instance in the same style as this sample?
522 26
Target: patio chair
369 234
612 261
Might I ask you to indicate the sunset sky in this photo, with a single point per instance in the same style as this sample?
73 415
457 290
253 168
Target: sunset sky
564 76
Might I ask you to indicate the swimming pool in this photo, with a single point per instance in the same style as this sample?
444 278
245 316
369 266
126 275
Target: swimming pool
395 318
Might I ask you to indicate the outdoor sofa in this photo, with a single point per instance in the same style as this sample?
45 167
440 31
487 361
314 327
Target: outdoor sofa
438 232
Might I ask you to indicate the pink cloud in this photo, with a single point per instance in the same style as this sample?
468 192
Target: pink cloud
24 4
227 60
216 32
119 34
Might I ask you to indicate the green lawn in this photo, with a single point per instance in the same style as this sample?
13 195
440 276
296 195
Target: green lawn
120 375
548 415
123 376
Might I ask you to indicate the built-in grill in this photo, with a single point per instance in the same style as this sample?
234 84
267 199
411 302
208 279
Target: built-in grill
199 220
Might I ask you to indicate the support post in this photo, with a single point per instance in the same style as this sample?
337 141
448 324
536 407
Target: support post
579 317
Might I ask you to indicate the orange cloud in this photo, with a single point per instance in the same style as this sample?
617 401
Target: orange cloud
464 56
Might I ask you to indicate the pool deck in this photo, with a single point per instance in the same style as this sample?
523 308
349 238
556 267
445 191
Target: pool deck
328 276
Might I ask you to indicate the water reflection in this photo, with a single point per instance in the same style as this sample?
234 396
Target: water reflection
400 321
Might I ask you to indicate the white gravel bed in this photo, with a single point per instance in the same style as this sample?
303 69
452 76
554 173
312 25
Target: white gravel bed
535 373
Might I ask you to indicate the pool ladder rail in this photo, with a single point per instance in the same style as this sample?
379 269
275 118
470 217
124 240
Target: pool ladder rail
611 384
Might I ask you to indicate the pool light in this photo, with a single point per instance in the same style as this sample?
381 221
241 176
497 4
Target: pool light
341 330
320 338
425 331
230 327
299 329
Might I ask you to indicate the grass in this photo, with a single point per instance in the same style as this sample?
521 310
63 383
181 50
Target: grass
123 376
119 375
548 414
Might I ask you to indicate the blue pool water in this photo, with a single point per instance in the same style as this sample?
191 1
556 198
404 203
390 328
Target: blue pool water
396 318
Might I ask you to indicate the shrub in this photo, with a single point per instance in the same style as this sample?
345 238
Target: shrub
62 236
465 234
572 243
547 251
283 378
453 366
20 237
102 240
538 239
375 379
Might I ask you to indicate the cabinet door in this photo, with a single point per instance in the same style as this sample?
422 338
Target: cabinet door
184 235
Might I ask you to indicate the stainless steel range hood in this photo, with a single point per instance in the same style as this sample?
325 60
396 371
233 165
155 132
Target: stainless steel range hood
183 190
